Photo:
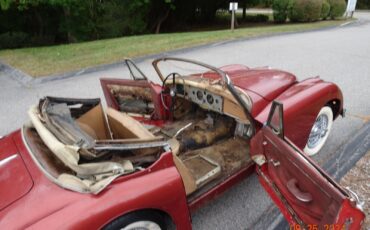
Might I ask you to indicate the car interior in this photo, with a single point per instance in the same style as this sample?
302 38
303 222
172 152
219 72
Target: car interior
209 141
206 131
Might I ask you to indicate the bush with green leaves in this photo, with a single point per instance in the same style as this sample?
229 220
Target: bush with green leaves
337 8
325 9
119 19
280 10
256 18
305 10
363 4
11 40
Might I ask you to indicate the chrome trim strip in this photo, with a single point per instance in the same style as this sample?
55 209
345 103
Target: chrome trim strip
8 159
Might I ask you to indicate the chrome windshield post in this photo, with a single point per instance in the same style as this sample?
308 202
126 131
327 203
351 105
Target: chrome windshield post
242 103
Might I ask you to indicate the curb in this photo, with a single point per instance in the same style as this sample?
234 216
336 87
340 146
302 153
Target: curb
16 74
349 154
26 79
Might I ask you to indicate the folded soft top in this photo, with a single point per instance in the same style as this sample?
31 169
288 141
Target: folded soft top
59 122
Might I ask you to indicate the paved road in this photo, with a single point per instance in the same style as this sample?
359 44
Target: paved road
341 55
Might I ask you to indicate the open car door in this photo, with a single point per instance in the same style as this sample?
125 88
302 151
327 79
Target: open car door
137 97
307 196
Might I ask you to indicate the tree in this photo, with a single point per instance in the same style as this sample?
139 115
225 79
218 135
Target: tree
159 12
5 4
363 4
45 22
249 3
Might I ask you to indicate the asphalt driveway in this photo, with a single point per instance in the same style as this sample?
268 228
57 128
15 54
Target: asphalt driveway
340 55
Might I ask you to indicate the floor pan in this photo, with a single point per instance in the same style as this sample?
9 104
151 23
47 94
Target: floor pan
217 161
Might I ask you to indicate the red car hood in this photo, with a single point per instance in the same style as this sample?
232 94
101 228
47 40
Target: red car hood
268 83
15 180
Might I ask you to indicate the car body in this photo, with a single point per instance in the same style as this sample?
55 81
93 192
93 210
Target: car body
198 146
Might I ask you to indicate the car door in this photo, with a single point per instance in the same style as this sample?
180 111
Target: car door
307 196
139 97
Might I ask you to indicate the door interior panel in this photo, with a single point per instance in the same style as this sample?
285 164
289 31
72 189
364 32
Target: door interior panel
304 188
138 97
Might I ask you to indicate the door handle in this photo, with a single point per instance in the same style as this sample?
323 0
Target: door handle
301 196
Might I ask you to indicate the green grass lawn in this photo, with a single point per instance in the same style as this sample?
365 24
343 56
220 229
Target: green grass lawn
44 61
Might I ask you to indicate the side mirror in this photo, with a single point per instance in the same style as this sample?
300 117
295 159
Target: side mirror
276 119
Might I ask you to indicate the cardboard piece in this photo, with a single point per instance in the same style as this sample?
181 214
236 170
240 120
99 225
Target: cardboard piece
95 123
123 126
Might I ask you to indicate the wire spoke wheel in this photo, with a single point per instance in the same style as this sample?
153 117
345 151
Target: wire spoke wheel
142 225
320 131
140 220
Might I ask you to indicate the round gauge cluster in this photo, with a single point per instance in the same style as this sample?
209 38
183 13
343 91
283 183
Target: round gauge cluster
204 98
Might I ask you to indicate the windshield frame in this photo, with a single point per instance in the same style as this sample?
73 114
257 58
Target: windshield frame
129 64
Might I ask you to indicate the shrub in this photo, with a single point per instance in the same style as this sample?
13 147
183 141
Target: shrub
11 40
337 8
325 9
42 40
280 8
305 10
256 18
363 4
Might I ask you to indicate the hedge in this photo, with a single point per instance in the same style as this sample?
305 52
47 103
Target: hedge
337 8
13 40
325 9
256 18
305 11
280 10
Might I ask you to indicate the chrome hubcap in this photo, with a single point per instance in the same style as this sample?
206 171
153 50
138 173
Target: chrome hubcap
318 131
142 225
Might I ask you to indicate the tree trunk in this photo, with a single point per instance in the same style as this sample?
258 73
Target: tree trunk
40 23
94 18
244 10
161 20
67 14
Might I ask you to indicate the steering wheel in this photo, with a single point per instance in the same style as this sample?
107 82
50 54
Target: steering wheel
170 90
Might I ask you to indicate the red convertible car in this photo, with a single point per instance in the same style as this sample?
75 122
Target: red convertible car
159 152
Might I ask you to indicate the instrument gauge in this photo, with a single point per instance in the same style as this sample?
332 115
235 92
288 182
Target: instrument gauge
210 99
199 95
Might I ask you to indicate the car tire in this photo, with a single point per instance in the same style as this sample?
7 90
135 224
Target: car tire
319 131
145 220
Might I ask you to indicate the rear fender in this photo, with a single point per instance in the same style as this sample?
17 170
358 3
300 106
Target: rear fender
160 189
302 103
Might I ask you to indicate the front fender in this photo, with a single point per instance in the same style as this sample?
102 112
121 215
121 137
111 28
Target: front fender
302 103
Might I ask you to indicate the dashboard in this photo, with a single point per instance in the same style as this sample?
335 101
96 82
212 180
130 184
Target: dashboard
211 97
204 98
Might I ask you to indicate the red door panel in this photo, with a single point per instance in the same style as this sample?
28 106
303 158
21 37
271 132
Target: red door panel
155 89
298 185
